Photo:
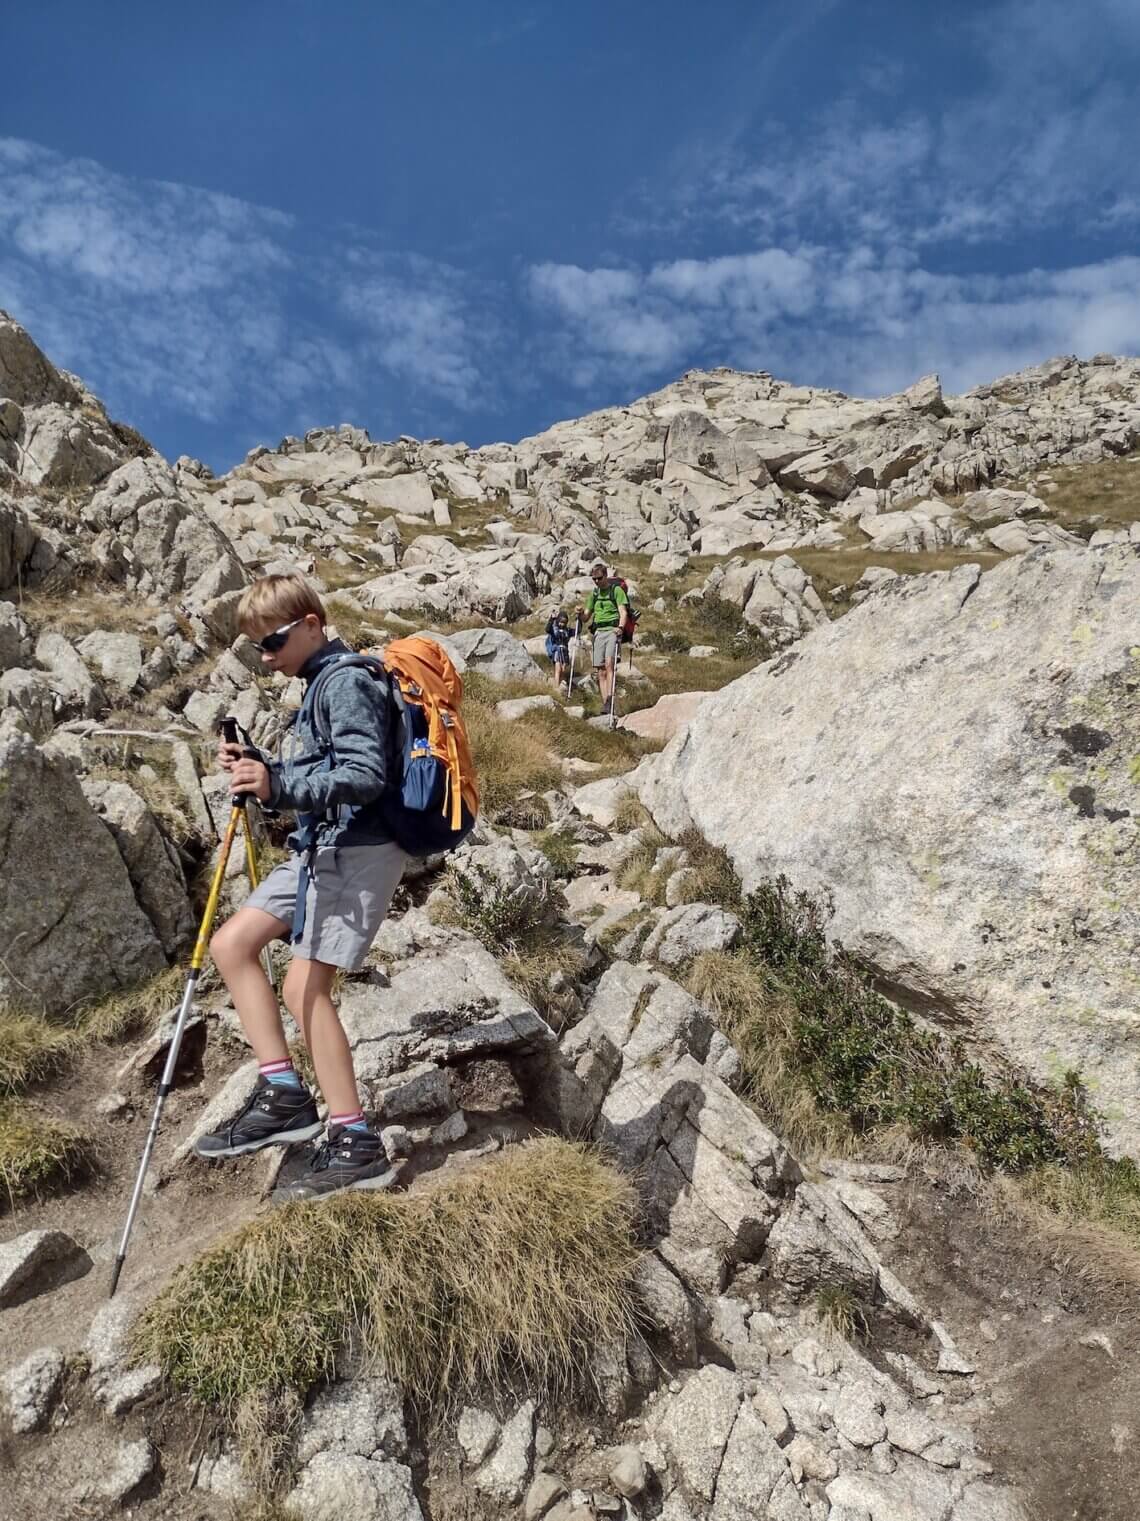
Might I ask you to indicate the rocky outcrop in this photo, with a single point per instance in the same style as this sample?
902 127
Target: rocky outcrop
72 927
954 764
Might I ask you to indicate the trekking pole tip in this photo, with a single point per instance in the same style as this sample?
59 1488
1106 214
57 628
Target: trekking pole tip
115 1271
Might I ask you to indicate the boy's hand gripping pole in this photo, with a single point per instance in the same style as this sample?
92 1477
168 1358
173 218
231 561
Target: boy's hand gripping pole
237 812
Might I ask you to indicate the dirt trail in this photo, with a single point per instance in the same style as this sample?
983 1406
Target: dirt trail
1067 1414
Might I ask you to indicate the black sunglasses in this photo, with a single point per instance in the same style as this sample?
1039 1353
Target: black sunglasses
278 639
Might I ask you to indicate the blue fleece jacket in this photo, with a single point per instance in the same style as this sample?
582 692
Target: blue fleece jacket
355 710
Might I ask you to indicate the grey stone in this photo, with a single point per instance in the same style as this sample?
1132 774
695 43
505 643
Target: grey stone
31 1388
364 1417
73 930
424 1090
79 694
859 1415
477 1433
120 1392
504 1474
37 1262
151 861
769 1407
627 1472
665 1302
113 1474
815 1243
117 655
440 1009
752 1468
339 1484
952 916
809 1460
684 932
543 1492
694 1427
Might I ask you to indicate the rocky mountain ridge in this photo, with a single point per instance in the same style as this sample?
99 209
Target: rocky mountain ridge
888 757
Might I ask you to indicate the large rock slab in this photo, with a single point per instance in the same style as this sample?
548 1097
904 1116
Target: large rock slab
151 861
445 1009
955 762
665 718
72 927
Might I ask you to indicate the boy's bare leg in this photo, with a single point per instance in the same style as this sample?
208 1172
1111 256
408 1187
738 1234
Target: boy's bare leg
236 949
604 675
308 997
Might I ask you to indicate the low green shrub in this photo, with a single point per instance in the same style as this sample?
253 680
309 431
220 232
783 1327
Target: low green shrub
869 1060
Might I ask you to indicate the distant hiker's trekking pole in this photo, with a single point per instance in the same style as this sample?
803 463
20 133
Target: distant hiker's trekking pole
237 815
573 656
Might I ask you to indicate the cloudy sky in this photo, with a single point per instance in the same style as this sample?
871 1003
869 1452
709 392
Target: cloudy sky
469 218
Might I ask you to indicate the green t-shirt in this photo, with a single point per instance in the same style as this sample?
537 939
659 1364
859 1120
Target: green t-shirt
602 605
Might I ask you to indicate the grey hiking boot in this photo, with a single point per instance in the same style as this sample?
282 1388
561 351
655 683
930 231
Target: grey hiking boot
273 1115
347 1159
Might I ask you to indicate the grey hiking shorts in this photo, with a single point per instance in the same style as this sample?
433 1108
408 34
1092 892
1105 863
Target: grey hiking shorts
348 895
606 642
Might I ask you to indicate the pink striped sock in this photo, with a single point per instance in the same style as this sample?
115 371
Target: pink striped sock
281 1074
353 1121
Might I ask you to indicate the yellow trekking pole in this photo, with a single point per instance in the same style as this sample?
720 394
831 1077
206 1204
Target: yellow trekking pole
237 815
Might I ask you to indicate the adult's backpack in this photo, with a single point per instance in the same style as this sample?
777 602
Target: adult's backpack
632 614
432 797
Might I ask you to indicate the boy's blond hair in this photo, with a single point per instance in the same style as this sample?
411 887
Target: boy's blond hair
277 600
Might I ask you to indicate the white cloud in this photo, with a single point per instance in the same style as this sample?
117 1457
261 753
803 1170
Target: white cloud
157 291
848 318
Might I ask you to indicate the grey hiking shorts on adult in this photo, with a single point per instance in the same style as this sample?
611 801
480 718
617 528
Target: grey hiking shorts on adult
606 642
348 895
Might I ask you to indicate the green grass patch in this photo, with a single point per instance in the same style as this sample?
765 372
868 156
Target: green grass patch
561 849
38 1154
517 1270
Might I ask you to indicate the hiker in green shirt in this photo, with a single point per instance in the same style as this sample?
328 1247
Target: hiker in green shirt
607 610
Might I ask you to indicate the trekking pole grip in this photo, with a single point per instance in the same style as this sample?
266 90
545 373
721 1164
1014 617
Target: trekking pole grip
229 727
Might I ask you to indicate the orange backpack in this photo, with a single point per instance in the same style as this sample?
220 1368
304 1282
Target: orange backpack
429 691
432 797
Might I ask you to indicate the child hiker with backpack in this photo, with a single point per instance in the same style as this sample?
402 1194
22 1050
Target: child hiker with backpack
608 612
330 898
558 645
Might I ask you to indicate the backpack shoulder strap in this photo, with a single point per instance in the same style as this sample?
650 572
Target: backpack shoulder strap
310 705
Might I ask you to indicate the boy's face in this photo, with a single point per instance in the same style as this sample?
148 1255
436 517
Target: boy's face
295 641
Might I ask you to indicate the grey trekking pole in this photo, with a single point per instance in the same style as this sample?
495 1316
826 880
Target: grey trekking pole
573 656
237 814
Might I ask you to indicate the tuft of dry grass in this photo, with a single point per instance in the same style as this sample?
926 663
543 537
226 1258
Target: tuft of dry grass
34 1047
759 1022
840 1313
31 1049
509 759
630 814
638 872
716 880
75 612
517 1269
38 1154
1087 1215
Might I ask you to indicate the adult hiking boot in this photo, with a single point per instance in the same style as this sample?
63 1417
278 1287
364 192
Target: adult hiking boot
273 1115
346 1159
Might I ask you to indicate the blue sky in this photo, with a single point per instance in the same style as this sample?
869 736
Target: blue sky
239 220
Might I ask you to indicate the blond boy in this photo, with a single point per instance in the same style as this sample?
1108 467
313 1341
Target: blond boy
328 901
